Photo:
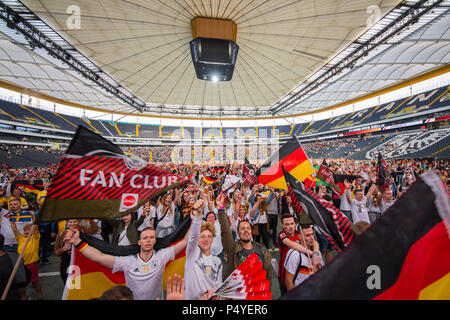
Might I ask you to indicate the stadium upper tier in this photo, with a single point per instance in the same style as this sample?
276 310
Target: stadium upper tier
415 109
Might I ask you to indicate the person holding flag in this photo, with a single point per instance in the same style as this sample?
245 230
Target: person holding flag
237 251
143 271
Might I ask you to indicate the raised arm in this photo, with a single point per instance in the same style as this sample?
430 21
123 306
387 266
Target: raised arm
372 189
194 234
227 237
199 206
14 228
255 207
106 260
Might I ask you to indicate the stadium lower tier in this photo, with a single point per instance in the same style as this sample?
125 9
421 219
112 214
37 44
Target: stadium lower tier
398 145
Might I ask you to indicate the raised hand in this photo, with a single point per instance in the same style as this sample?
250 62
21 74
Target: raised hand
175 288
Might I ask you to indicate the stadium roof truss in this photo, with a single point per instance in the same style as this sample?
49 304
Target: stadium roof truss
295 57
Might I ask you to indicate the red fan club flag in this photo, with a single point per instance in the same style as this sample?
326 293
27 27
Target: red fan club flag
249 173
95 179
325 175
382 174
331 222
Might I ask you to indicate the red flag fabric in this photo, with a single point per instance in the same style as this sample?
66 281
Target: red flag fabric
247 282
249 173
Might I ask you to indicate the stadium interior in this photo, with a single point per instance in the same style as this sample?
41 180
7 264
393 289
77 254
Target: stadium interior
351 79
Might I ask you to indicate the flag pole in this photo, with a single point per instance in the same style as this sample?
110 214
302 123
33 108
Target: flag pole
16 266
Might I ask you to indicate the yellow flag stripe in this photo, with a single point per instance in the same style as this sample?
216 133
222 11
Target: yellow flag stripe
438 290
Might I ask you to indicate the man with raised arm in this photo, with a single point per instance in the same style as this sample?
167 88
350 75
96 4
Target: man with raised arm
143 271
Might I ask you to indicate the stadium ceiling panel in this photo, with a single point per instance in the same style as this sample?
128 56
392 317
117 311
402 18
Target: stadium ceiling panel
426 49
27 69
143 46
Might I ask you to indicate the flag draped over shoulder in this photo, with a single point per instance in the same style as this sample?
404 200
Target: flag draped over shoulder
90 279
249 173
292 156
331 222
403 255
96 180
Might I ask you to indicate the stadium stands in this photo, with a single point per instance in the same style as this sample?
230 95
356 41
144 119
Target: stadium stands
399 129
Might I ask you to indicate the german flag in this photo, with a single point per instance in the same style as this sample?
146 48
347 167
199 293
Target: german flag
293 158
88 279
35 188
209 180
403 256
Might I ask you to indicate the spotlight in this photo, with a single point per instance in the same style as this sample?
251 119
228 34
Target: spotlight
215 79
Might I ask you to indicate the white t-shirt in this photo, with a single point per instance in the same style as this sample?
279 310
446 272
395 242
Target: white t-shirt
373 207
260 216
386 205
201 272
123 239
145 279
166 225
293 258
5 228
359 210
344 203
147 219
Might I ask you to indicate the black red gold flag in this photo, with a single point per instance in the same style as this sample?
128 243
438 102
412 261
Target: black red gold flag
295 161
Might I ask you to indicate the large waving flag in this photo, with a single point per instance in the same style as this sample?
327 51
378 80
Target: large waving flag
293 158
403 255
331 222
88 279
95 179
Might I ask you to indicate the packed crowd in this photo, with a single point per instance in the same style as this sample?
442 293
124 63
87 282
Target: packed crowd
226 228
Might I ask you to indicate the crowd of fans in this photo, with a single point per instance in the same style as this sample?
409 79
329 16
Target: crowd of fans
226 228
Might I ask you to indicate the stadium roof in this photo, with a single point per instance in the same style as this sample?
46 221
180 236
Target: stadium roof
295 56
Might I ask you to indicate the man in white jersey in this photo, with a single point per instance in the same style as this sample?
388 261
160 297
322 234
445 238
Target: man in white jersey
358 205
297 264
143 271
386 201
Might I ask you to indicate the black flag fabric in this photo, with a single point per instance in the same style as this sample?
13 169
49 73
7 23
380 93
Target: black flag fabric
332 223
382 175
